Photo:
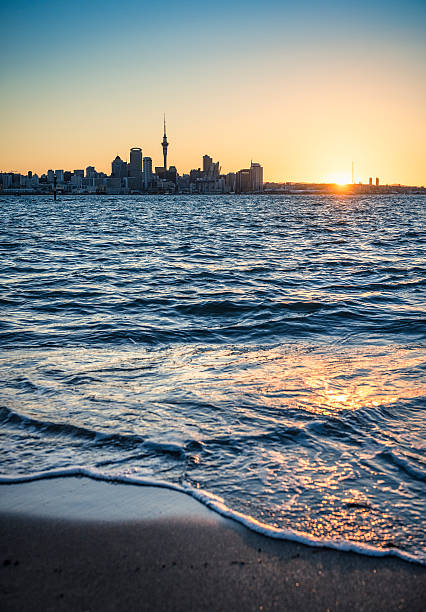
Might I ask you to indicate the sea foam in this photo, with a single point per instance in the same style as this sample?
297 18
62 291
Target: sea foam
218 505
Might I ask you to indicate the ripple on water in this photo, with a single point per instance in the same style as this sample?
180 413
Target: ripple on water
268 350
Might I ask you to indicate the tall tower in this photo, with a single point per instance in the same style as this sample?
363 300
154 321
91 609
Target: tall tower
135 165
165 144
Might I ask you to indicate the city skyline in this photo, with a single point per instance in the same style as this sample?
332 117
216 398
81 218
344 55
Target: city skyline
306 88
345 176
138 175
146 162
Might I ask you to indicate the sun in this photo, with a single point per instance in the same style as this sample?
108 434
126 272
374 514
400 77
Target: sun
339 178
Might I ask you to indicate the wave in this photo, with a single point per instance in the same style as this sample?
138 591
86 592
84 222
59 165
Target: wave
228 321
279 433
8 416
392 456
218 505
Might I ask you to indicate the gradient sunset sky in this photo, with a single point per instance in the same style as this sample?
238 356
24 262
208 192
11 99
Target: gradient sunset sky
302 87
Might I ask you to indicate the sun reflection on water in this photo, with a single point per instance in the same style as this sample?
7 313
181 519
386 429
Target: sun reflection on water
324 383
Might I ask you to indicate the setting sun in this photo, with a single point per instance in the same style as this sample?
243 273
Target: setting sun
339 178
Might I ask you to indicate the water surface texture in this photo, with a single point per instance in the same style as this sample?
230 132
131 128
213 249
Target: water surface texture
267 350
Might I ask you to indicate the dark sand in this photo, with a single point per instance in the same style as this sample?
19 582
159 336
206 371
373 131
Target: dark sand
79 544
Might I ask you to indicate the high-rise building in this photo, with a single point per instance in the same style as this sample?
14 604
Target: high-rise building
210 168
50 176
195 174
165 144
243 181
90 172
370 180
256 172
118 167
77 179
59 176
135 165
230 181
147 172
377 181
207 164
171 174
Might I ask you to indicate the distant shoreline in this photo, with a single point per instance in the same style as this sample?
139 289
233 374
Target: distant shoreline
410 191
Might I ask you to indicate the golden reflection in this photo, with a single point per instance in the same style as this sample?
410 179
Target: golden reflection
323 382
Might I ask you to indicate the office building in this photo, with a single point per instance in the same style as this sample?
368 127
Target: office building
118 168
377 181
147 172
207 164
210 168
230 181
171 174
370 180
195 174
243 181
6 180
135 164
256 174
77 180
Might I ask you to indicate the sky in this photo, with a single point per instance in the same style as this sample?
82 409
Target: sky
304 88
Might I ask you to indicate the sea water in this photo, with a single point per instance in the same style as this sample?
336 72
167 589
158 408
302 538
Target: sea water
264 353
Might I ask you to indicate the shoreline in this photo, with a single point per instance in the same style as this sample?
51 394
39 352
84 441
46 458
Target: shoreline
204 500
76 543
383 190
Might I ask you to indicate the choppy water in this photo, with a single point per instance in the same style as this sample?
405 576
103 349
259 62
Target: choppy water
266 350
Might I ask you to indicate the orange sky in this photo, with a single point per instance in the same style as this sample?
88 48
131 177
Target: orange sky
303 101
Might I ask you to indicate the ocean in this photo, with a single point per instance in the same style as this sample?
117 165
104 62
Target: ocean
265 354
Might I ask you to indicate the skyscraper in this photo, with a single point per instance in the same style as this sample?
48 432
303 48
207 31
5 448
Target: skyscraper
243 181
256 173
147 172
118 167
210 168
165 144
207 163
135 165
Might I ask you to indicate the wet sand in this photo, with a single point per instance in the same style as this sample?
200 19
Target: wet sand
80 544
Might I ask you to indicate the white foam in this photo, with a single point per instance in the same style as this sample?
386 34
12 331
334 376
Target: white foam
217 504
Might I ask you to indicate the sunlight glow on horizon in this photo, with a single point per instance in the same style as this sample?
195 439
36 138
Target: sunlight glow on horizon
339 178
336 87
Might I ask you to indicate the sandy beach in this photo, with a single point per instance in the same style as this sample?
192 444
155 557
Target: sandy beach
79 544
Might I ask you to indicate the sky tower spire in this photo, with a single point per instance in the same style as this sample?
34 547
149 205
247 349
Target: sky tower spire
165 144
